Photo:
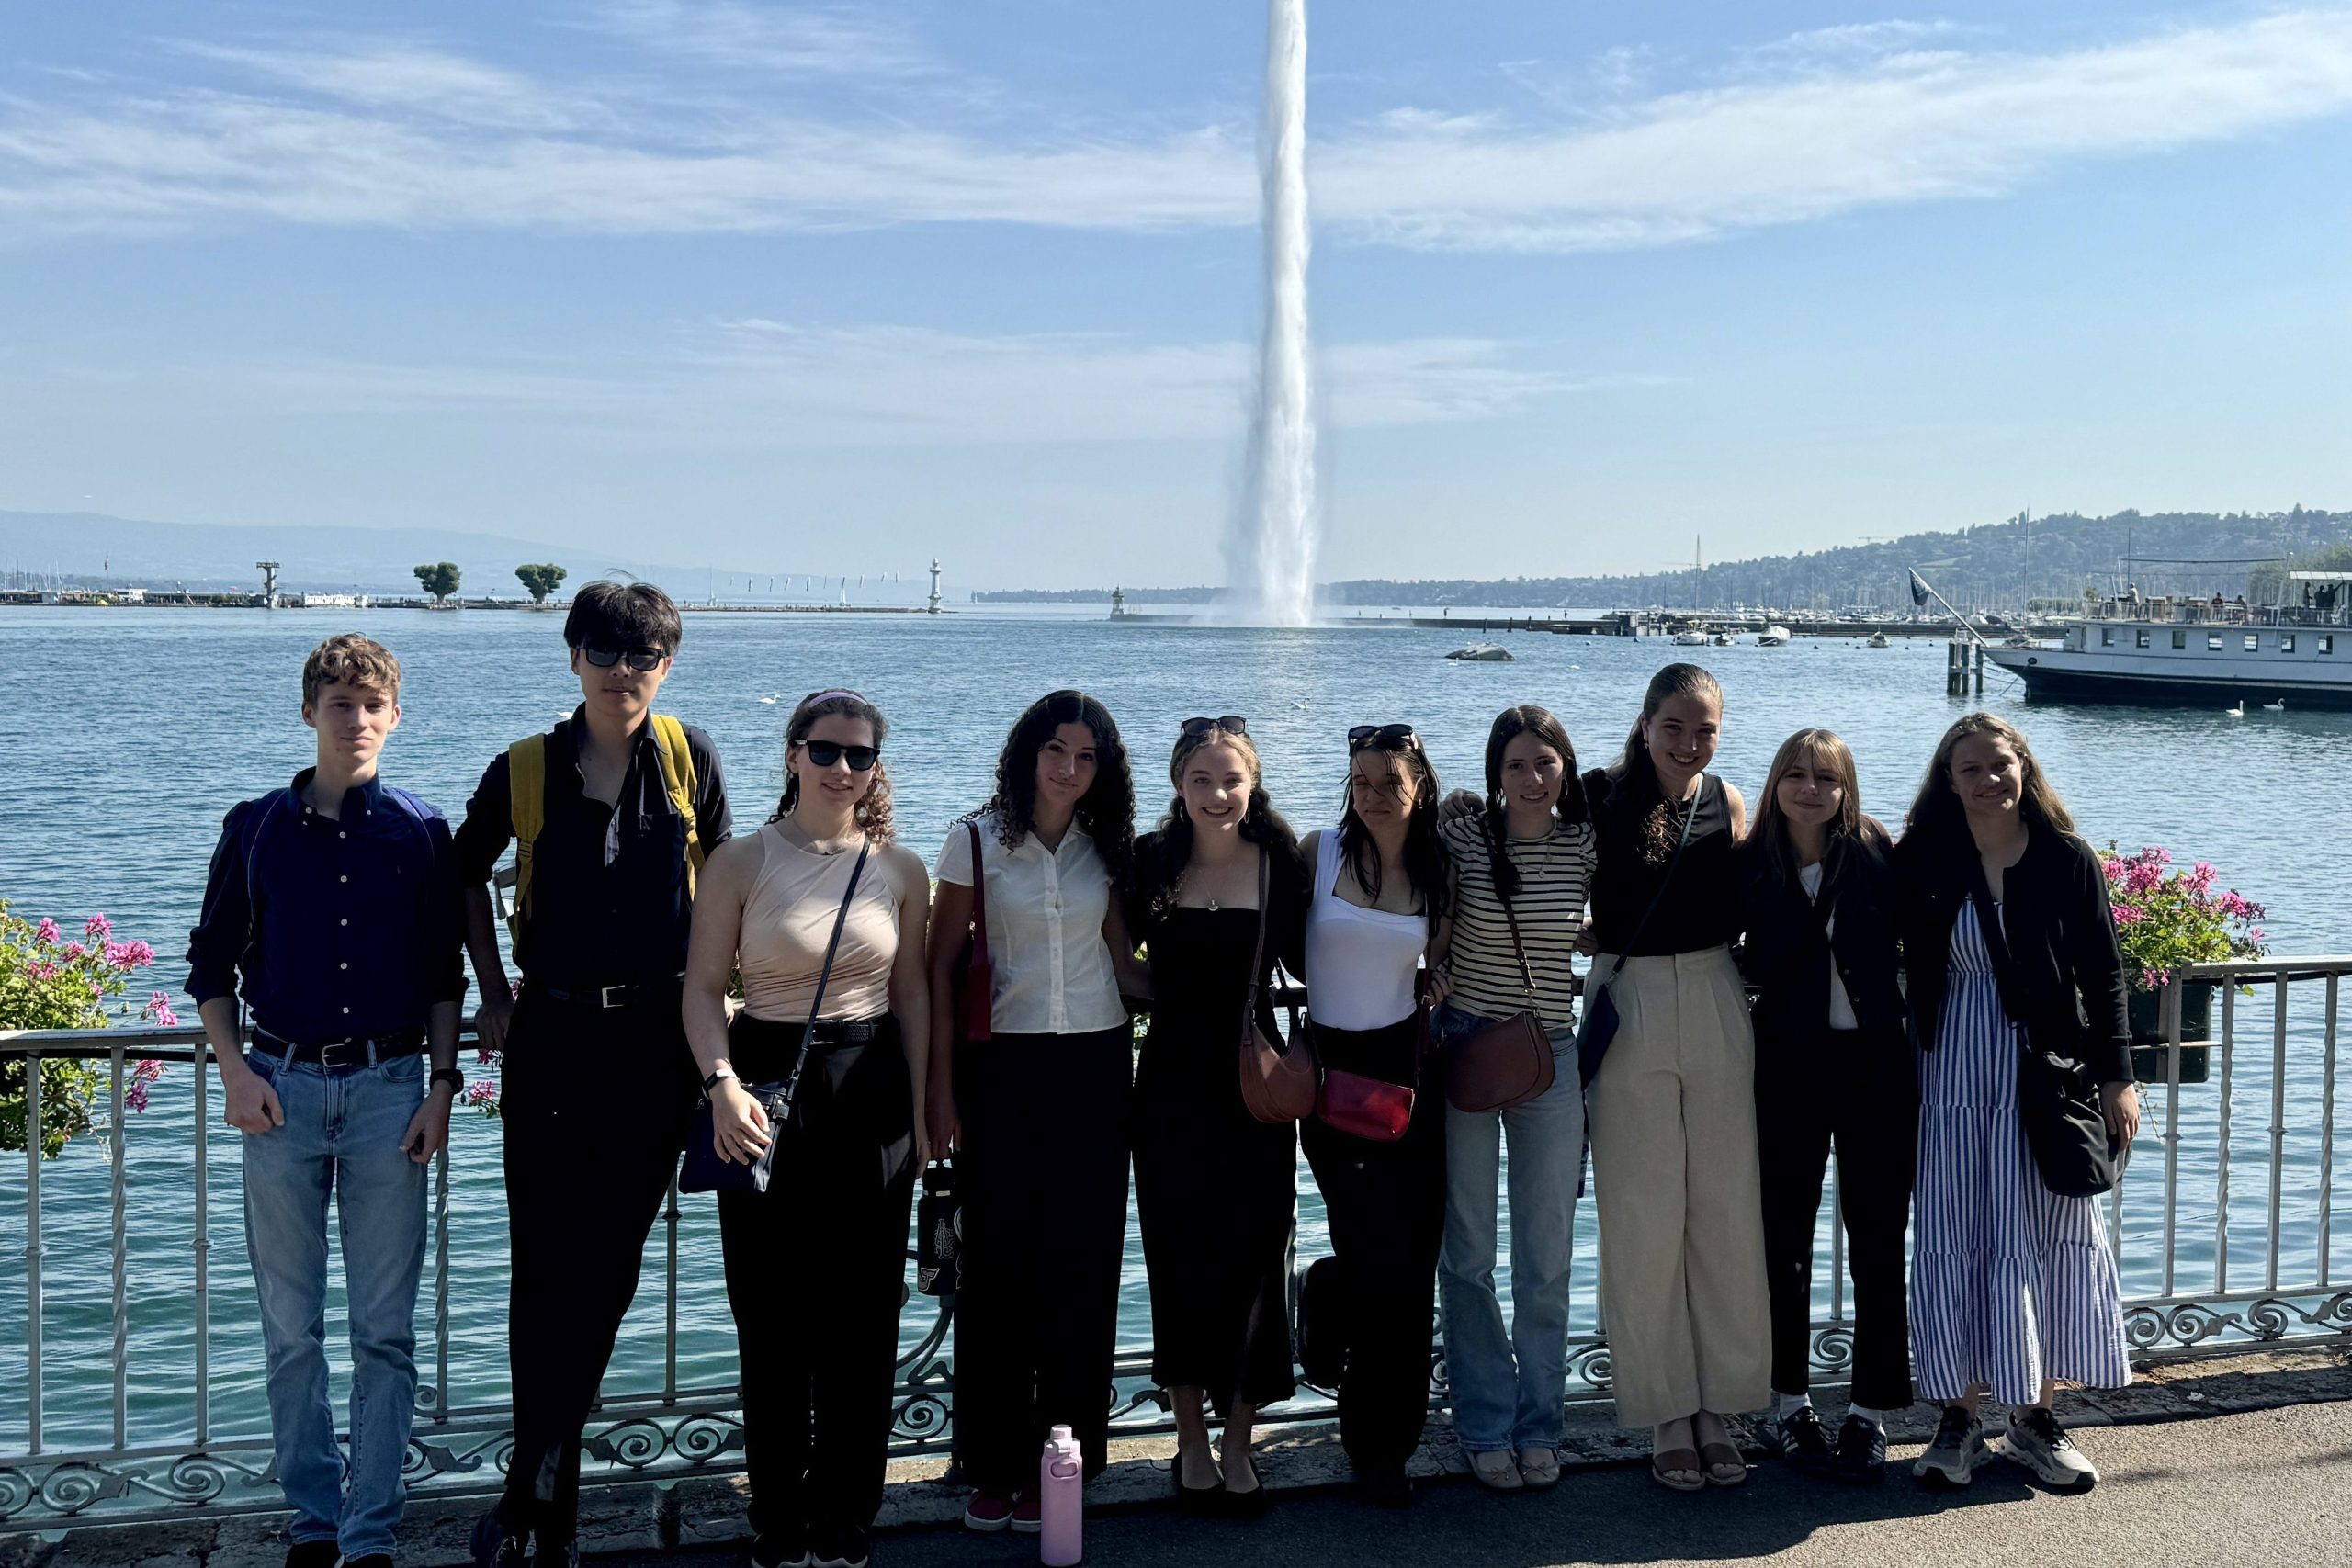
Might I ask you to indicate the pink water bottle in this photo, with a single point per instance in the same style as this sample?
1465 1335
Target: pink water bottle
1061 1487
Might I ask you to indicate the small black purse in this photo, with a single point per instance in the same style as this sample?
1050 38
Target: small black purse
706 1171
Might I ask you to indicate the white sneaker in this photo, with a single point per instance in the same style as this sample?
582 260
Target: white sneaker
1538 1468
1957 1452
1495 1470
2035 1442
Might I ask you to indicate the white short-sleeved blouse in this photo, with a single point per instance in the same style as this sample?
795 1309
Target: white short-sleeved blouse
1045 913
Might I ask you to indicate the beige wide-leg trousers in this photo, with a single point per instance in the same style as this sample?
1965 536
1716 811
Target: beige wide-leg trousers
1673 1118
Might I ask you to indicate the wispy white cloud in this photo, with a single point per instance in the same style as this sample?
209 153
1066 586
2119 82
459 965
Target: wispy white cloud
1849 119
822 40
757 383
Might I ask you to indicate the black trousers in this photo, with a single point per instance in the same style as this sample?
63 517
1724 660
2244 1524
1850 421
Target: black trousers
1385 1206
1856 1090
594 1110
816 1274
1044 1171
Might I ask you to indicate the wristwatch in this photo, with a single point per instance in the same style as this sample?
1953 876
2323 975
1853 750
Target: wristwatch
450 1076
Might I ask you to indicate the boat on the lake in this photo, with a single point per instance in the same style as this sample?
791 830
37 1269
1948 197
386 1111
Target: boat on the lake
1484 653
2199 652
1878 640
1773 636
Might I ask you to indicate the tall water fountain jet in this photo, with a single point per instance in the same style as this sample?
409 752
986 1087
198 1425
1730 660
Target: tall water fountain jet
1269 550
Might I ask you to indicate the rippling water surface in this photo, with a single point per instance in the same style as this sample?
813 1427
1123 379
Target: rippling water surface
125 735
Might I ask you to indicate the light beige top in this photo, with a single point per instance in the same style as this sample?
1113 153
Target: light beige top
787 920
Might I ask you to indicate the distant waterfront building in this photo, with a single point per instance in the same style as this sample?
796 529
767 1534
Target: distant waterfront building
331 601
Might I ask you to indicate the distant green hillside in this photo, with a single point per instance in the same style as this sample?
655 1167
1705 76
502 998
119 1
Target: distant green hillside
1999 564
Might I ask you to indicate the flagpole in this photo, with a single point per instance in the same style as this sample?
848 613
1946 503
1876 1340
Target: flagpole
1921 585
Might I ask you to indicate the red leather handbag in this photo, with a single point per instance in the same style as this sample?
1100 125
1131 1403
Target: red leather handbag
973 976
1369 1108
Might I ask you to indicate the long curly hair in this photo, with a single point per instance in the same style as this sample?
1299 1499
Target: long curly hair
1634 792
1571 807
1424 852
1938 816
1163 855
1107 809
1851 831
872 814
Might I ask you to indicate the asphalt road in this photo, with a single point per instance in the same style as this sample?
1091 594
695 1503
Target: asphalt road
2267 1488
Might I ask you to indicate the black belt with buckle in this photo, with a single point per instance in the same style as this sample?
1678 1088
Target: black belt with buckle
354 1051
628 996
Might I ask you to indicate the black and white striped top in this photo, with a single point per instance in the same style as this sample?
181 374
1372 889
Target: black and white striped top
1555 877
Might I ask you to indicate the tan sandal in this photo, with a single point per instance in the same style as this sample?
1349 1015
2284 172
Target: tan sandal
1673 1462
1723 1456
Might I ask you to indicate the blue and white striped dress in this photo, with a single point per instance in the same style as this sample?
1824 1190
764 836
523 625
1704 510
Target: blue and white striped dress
2010 1283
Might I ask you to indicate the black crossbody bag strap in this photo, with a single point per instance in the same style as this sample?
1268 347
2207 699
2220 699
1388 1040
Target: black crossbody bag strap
1664 881
816 1004
1518 948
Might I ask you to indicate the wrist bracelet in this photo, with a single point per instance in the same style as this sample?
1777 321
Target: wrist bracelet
713 1081
450 1076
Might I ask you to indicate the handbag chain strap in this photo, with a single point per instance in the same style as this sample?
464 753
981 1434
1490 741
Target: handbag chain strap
1664 881
979 897
808 1034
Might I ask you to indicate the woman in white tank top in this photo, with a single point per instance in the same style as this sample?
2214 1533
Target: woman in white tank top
1379 891
816 1264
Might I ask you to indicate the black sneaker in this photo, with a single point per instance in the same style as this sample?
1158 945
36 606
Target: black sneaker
313 1554
847 1549
495 1546
780 1549
1802 1441
1860 1459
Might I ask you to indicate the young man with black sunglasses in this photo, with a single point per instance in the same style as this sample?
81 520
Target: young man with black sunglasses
612 813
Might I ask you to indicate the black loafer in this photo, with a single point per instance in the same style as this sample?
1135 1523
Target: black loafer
1803 1441
496 1545
1860 1459
313 1554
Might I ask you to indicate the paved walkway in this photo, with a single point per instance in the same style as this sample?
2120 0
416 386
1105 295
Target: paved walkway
2266 1488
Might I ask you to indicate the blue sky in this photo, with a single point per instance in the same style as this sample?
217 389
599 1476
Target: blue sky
841 286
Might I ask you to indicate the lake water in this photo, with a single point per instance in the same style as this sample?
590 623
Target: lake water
126 734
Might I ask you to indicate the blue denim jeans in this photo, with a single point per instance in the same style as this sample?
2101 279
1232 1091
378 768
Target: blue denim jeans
341 1139
1509 1388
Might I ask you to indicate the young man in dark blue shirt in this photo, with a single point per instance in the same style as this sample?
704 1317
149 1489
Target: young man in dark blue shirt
617 806
336 902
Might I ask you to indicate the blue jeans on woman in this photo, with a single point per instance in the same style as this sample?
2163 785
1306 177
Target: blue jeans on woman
341 1139
1508 1387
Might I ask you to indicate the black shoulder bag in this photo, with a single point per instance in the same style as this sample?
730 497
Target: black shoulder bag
705 1169
1600 1026
2058 1098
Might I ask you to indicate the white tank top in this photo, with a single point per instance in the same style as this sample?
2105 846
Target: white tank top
1360 962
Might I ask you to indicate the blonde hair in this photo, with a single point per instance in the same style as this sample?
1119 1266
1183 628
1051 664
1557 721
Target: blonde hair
1938 811
1826 751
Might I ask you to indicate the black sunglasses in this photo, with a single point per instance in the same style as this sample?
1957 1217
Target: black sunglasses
1386 737
825 754
641 660
1232 724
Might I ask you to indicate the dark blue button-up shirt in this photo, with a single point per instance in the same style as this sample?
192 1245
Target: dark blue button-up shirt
340 929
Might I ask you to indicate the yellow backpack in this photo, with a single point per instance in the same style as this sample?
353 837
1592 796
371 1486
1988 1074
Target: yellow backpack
527 788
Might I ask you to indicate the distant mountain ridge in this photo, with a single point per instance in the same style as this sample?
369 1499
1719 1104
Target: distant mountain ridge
2004 563
91 549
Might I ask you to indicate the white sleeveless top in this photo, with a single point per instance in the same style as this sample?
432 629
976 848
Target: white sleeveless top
1360 962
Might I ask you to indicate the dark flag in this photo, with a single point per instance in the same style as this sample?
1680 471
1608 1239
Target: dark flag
1919 588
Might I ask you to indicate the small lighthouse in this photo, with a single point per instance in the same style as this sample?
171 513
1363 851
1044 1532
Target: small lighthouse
1118 603
933 607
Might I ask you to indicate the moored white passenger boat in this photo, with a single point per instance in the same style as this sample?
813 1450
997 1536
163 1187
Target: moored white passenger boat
2178 652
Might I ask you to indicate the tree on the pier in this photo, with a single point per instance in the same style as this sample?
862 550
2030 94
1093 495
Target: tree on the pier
541 579
440 579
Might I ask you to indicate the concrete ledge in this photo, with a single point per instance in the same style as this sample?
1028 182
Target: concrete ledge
708 1512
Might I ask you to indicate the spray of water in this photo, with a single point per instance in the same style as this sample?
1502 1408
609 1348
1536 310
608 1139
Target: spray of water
1269 550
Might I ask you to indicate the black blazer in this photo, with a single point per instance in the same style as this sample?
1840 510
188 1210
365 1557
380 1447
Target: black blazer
1786 959
2067 972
